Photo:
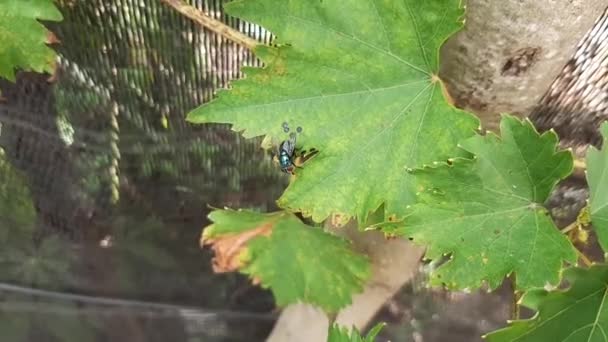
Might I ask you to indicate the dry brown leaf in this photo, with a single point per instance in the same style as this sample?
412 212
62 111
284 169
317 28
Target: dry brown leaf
51 38
339 220
444 90
228 248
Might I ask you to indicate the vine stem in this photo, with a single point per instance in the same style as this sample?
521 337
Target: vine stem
584 258
212 24
580 164
569 227
332 318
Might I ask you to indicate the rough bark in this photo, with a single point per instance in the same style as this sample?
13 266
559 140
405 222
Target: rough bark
510 52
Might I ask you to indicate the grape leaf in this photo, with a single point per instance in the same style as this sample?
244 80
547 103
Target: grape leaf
341 334
488 212
597 178
298 262
23 38
359 78
579 313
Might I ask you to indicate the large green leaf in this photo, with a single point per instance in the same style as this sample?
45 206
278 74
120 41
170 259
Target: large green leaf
341 334
579 313
597 177
23 38
488 212
360 78
297 262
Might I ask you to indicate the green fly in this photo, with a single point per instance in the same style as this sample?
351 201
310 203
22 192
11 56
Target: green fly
287 152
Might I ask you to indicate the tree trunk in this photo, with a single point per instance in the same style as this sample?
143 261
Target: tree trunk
510 52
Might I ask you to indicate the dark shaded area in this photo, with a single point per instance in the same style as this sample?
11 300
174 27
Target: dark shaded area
521 61
105 187
421 314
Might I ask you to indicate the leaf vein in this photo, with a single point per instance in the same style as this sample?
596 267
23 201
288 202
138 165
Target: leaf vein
599 311
358 40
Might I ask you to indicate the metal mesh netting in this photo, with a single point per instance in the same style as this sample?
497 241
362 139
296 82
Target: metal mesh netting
104 188
577 101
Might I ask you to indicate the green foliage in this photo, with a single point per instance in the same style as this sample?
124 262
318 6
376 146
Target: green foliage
597 178
45 264
341 334
488 212
297 262
576 314
361 83
143 244
15 200
23 38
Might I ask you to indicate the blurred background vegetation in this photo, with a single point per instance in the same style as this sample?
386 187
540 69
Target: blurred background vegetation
104 187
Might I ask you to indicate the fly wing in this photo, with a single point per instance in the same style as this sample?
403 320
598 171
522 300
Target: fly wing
290 145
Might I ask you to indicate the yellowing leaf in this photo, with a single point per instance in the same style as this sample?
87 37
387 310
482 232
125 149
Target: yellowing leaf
228 247
297 262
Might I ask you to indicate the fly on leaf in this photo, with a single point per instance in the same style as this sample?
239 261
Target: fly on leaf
287 153
289 157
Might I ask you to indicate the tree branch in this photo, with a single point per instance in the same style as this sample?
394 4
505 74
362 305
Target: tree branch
212 24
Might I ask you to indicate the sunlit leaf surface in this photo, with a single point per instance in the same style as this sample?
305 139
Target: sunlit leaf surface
359 78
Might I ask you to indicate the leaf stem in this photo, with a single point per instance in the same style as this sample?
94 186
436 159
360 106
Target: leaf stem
212 24
580 164
570 227
332 317
584 258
